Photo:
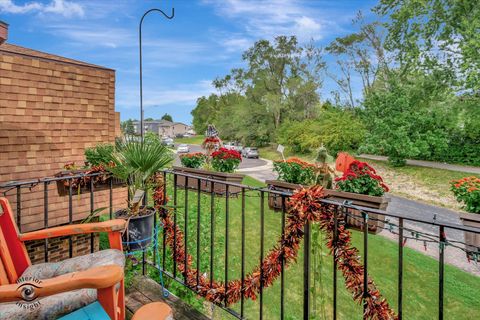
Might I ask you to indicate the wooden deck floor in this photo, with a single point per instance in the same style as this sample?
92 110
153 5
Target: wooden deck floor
145 290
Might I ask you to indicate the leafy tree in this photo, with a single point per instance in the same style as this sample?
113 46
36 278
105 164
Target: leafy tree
280 82
149 119
436 35
336 129
167 117
127 127
360 53
409 119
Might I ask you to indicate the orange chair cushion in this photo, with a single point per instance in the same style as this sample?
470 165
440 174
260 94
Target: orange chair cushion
154 311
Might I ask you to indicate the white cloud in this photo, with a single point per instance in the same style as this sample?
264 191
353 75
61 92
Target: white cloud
270 18
94 35
59 7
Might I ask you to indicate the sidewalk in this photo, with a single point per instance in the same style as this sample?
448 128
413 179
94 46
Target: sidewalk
429 164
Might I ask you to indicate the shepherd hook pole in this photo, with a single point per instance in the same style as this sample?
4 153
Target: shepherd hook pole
142 129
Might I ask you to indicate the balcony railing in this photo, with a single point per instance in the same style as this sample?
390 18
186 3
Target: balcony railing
226 233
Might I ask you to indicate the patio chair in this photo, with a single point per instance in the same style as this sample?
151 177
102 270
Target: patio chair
60 288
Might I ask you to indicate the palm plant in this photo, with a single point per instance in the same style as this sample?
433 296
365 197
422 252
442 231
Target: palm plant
136 162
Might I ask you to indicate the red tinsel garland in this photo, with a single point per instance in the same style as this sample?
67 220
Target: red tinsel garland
305 206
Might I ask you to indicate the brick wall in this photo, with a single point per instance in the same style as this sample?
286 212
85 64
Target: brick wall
51 109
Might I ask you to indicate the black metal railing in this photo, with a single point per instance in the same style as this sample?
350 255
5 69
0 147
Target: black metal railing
211 204
395 223
16 191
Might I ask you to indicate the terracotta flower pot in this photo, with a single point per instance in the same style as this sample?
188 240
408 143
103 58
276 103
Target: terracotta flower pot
376 221
471 239
205 186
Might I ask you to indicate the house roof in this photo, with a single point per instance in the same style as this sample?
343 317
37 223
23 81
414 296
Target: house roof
162 123
14 49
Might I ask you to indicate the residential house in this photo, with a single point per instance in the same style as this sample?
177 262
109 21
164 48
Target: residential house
163 128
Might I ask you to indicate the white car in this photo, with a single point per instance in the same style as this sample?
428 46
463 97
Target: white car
168 142
183 148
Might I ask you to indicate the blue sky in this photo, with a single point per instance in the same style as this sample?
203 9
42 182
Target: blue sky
181 56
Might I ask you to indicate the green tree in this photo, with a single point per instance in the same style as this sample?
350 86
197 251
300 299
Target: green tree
360 53
127 127
280 83
167 117
335 128
409 118
441 35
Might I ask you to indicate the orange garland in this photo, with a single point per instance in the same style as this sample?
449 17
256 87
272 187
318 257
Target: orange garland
305 206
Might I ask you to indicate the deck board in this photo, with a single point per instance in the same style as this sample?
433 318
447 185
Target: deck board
145 290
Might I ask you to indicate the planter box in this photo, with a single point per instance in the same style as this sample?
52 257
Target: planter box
381 203
471 239
63 189
275 200
205 186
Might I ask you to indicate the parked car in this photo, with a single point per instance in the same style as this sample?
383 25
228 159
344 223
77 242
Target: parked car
239 148
230 145
183 148
244 151
251 153
167 142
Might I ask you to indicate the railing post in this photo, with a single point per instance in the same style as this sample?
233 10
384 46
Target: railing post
306 273
441 267
365 260
335 239
400 268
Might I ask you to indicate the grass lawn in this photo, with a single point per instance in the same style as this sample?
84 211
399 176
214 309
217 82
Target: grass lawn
198 139
420 271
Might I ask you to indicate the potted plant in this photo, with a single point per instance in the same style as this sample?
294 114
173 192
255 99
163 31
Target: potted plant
193 161
467 191
361 185
137 162
98 159
219 164
293 173
82 184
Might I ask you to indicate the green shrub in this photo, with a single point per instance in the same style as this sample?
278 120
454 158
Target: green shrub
101 154
193 160
467 191
294 170
336 129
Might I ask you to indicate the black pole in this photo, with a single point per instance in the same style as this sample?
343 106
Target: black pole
140 49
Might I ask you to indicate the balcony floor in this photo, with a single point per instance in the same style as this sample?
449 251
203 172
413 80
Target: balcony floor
144 290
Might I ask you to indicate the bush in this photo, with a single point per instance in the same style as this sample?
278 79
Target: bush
101 154
467 190
336 129
409 118
361 178
193 160
294 170
225 160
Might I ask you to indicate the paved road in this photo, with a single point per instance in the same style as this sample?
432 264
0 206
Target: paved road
428 164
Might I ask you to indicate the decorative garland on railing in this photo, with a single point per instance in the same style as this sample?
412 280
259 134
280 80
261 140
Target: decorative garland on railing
305 205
